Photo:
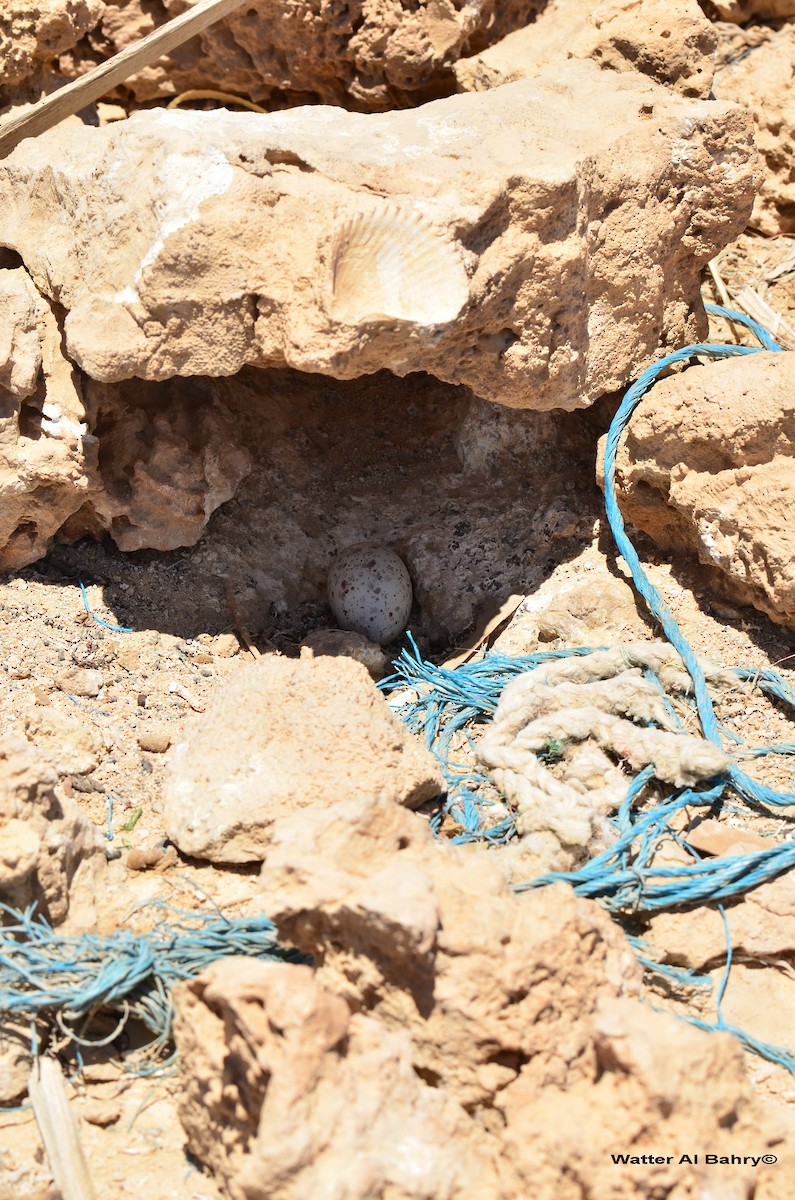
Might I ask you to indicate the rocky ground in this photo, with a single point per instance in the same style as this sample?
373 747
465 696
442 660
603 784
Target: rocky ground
495 1039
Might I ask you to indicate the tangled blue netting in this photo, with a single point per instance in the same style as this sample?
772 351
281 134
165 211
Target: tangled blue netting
68 980
445 706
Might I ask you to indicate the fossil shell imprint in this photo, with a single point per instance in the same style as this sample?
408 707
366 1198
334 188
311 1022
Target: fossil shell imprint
392 264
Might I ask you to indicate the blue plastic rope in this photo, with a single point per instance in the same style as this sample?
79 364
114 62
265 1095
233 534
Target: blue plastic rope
623 877
46 974
94 617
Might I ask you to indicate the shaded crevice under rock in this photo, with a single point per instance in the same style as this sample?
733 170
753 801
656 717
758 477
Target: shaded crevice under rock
477 499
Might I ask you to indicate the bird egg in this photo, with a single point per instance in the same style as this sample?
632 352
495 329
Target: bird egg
369 590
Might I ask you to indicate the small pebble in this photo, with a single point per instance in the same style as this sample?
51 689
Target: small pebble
154 742
225 645
145 857
81 681
101 1113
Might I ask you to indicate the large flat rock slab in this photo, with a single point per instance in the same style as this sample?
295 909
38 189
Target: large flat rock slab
540 242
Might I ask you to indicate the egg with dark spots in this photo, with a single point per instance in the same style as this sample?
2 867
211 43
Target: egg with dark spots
369 590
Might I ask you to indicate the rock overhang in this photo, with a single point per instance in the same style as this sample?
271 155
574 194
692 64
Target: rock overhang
563 220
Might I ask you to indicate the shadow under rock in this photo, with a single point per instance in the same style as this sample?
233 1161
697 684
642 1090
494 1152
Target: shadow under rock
480 501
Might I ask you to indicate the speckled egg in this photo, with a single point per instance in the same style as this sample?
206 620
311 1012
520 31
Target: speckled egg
369 591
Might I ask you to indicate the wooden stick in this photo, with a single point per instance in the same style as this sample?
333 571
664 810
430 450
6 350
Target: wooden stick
58 1127
108 75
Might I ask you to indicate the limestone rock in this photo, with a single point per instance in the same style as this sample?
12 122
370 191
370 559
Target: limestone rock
428 938
521 1007
68 745
597 610
20 342
284 1094
31 34
742 10
368 55
762 926
657 1082
671 43
169 459
564 240
333 643
15 1062
46 453
286 735
707 465
763 81
49 852
81 681
284 1091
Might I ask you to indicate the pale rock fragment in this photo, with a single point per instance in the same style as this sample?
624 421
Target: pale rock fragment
429 938
168 462
523 1008
285 1093
762 926
46 457
15 1062
707 465
659 1087
763 79
285 735
579 228
49 852
333 643
672 43
20 341
81 681
70 746
594 610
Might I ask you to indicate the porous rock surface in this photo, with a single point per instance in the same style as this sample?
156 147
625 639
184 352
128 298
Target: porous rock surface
47 458
430 939
285 1091
707 465
670 43
286 735
169 458
762 927
49 852
762 79
364 54
32 34
533 247
455 1040
167 461
742 10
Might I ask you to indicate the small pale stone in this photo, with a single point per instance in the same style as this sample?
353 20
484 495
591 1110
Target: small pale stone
225 645
283 735
143 858
100 1112
154 741
341 642
81 681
